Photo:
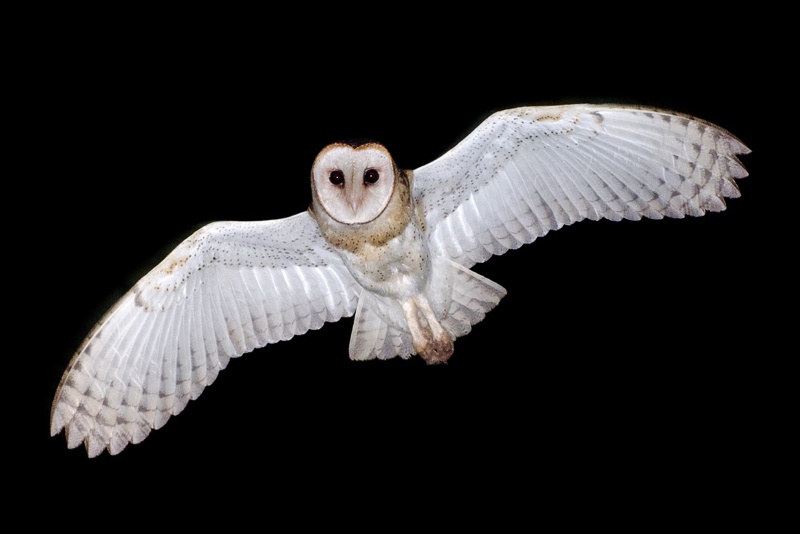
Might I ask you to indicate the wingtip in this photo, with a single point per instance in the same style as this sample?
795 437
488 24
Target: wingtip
55 427
74 436
58 420
94 445
736 146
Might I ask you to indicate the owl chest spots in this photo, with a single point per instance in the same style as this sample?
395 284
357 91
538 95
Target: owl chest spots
399 267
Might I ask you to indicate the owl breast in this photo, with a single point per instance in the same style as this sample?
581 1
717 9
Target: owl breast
398 268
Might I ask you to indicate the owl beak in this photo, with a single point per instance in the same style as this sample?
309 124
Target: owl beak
355 204
354 198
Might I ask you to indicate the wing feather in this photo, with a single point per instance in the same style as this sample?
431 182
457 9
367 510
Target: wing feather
226 290
252 288
582 194
526 171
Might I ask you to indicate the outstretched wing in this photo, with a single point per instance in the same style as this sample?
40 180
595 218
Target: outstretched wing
229 288
526 171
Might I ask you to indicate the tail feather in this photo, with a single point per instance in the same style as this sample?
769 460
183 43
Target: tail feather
459 297
379 330
471 298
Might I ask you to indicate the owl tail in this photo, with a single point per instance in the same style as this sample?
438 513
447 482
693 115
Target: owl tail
458 297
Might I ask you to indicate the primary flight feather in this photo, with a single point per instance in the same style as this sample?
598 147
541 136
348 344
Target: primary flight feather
391 246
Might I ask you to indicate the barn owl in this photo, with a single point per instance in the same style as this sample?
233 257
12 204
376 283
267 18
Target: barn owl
391 247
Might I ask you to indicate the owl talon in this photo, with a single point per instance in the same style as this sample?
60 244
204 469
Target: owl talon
436 350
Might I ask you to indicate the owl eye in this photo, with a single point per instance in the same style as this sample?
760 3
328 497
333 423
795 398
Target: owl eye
371 176
336 177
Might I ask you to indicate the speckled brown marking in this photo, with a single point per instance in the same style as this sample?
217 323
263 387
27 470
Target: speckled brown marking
549 118
175 265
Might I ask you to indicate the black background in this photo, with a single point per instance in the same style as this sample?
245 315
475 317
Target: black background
626 354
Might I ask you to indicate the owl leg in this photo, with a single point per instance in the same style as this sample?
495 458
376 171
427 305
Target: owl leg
431 341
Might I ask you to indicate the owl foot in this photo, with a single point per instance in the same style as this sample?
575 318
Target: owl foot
430 340
436 350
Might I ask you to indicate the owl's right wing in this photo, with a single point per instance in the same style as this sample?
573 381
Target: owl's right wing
229 288
526 171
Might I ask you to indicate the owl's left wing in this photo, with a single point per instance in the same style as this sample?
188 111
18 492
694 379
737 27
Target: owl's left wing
227 289
525 171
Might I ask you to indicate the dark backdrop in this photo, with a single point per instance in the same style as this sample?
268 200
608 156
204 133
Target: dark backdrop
625 352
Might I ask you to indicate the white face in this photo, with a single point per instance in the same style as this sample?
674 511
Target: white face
353 185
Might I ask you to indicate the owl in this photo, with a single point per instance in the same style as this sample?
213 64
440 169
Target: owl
390 246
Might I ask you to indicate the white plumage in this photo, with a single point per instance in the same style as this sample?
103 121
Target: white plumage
227 289
234 286
526 171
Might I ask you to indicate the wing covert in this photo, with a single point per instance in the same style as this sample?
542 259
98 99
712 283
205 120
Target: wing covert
227 289
526 171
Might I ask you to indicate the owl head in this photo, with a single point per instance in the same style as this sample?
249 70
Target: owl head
353 183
